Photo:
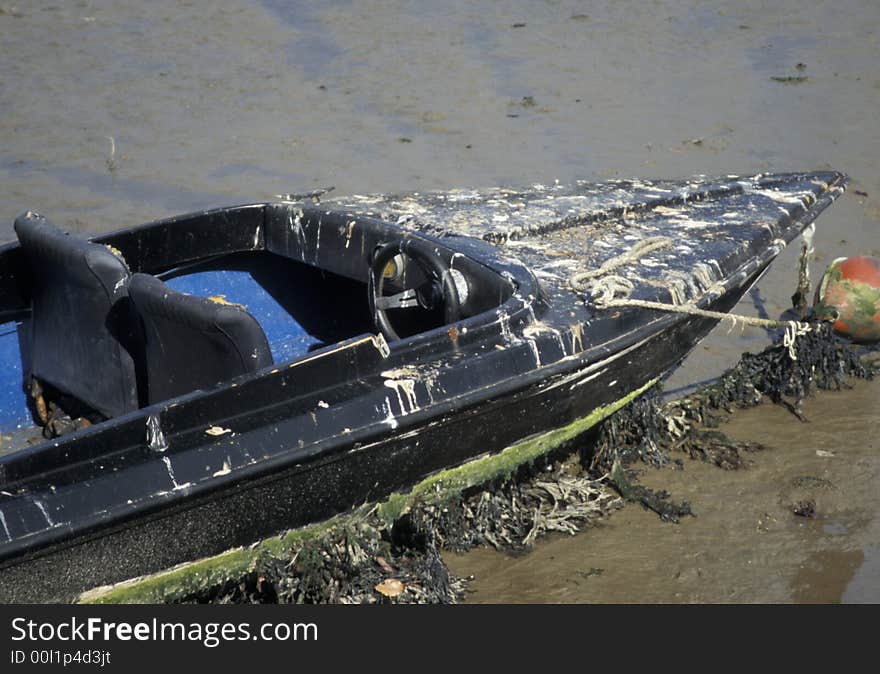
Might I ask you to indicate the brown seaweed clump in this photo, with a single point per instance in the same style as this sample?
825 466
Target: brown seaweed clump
651 432
821 361
373 561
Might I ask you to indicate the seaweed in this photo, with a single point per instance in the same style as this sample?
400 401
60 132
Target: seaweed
651 432
656 500
785 374
637 432
347 565
352 563
560 497
716 447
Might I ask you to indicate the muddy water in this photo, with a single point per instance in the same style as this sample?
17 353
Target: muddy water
117 113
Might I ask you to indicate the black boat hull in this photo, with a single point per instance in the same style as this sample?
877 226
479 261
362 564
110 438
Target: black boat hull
316 491
522 352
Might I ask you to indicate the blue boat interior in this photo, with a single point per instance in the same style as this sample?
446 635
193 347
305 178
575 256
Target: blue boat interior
14 411
299 307
93 330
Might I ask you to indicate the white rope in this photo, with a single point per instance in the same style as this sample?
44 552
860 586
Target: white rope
604 289
793 329
582 280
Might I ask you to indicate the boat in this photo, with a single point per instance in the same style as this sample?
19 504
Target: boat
179 388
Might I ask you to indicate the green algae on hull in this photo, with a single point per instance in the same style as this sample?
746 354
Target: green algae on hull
451 482
189 578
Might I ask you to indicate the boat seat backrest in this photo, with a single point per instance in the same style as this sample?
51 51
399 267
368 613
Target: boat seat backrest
81 326
193 342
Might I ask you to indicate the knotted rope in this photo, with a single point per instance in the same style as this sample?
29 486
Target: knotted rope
605 287
582 280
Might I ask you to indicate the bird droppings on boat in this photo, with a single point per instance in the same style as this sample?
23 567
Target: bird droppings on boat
381 345
167 461
155 437
389 416
704 275
405 390
257 232
217 431
427 375
42 508
349 231
504 326
317 242
535 352
577 338
295 218
225 470
323 405
536 328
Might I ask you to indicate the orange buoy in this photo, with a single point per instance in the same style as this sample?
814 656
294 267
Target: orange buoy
849 294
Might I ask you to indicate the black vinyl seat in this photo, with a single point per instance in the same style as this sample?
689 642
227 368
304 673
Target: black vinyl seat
193 342
81 323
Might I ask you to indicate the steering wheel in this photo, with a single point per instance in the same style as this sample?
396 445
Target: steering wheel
440 286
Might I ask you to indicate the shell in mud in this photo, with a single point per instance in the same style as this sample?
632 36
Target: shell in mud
849 293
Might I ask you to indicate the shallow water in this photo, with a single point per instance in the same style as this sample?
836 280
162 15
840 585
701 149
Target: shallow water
207 107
